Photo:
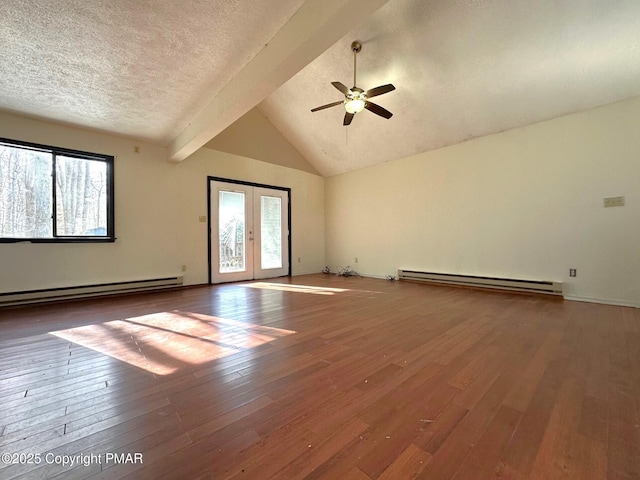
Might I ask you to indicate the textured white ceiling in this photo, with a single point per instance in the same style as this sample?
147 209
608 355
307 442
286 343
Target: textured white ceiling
136 67
462 68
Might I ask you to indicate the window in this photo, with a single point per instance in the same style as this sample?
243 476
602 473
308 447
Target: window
51 194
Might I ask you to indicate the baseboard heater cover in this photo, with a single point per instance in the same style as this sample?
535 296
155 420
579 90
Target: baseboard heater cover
511 284
86 291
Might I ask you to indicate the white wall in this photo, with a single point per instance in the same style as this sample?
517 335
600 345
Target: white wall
526 203
157 205
266 144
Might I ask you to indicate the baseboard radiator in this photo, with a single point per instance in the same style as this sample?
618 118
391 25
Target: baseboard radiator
510 284
85 291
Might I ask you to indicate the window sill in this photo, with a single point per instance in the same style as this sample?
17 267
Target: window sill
60 240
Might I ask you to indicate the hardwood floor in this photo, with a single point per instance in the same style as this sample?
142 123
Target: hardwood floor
321 377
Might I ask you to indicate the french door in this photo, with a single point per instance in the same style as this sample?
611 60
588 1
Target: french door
249 232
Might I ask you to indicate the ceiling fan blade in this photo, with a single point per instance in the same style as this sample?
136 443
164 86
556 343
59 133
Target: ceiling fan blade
378 110
341 86
374 92
327 106
347 118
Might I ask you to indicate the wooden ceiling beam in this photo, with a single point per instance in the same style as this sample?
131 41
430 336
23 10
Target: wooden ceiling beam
316 26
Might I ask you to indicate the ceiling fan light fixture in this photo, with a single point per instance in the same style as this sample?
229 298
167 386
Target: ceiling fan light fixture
357 99
354 105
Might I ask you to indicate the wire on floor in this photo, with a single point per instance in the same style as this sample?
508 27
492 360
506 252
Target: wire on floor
341 271
347 272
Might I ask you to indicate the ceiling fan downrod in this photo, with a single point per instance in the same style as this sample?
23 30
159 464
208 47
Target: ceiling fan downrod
356 46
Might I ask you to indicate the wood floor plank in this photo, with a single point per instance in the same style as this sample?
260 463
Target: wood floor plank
323 377
553 459
407 465
356 474
435 432
484 458
525 443
457 446
320 452
520 396
387 440
143 438
222 458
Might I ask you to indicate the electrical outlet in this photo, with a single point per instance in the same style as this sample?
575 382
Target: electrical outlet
614 201
572 272
202 218
298 259
184 268
356 261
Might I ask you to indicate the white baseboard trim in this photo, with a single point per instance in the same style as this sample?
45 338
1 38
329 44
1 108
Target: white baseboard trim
305 272
603 301
72 292
573 298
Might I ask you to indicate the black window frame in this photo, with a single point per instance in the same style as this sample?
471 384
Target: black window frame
109 160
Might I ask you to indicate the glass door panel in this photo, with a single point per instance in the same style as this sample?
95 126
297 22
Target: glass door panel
231 236
231 231
270 232
271 246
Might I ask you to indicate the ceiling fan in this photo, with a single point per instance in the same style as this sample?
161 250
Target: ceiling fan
356 99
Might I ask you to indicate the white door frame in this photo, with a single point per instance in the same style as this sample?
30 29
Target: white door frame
239 185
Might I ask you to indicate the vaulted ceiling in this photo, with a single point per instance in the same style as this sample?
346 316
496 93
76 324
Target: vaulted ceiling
178 73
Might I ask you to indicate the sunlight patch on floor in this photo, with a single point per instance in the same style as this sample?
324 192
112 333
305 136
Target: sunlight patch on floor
164 342
285 287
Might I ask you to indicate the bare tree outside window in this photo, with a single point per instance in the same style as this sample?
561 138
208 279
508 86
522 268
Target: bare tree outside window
31 178
81 205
